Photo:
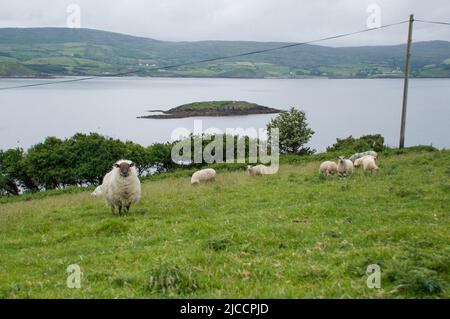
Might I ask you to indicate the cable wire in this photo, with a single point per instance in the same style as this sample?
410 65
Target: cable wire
208 60
432 22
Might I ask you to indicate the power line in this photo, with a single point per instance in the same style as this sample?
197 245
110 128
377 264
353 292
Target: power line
210 59
433 22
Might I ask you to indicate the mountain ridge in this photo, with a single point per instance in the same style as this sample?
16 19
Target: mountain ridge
49 51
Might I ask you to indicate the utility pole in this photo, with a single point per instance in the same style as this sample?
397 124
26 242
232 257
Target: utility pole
405 85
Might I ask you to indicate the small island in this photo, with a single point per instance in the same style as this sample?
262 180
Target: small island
212 108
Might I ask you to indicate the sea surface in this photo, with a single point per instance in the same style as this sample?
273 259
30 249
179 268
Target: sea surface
334 108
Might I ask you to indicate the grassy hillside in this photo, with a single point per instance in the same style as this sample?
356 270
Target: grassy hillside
294 234
60 51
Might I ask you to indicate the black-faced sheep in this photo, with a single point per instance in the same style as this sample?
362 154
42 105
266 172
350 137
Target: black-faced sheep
344 166
121 187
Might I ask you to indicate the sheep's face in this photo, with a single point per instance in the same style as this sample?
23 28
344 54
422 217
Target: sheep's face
124 167
341 159
249 167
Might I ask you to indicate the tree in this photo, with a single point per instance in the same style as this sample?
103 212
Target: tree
51 163
161 156
140 156
93 155
294 132
14 168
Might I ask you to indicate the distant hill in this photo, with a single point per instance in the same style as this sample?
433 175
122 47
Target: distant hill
212 108
61 51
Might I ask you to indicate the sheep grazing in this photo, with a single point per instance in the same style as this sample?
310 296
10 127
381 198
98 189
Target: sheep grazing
202 176
355 156
344 166
258 170
328 168
121 187
368 163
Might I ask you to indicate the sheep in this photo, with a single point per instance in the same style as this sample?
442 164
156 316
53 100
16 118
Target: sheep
368 163
203 175
258 170
355 156
98 191
328 168
121 187
344 166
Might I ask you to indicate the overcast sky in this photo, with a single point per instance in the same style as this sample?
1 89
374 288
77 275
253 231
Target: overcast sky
255 20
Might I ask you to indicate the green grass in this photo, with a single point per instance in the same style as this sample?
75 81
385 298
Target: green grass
215 106
294 234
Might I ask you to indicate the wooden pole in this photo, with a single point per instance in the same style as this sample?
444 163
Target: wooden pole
405 85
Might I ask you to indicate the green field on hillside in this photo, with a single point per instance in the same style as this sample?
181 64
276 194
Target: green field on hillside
295 234
60 51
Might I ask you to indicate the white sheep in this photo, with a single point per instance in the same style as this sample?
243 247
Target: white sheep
368 163
355 156
328 168
203 175
121 186
258 170
344 166
98 191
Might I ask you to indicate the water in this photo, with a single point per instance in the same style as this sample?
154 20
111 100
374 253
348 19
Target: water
334 108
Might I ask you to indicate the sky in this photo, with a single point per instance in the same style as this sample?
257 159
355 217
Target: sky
252 20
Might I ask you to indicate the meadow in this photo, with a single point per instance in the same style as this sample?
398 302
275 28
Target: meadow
295 234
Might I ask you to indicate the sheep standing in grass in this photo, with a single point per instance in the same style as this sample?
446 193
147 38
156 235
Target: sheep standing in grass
367 162
203 175
328 168
258 170
355 156
121 187
344 166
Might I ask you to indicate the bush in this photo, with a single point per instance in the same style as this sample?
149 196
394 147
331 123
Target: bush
294 132
84 159
355 145
14 173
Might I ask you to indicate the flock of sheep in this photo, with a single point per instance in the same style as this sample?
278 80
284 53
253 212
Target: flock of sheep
344 166
121 186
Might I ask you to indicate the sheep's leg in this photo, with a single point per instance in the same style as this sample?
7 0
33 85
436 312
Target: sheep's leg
113 209
127 208
120 209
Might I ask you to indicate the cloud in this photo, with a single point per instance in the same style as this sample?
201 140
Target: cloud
255 20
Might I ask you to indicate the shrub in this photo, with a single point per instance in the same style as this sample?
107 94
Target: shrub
354 145
13 172
294 132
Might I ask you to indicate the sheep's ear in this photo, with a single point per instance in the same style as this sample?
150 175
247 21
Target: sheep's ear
116 165
131 164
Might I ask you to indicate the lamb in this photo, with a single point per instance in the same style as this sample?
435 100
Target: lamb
355 156
344 166
258 170
368 163
121 187
328 168
202 176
